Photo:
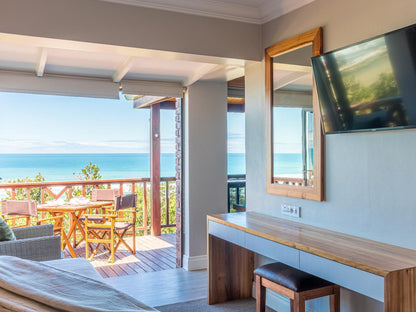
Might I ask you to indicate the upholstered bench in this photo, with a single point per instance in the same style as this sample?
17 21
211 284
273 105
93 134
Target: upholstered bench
297 285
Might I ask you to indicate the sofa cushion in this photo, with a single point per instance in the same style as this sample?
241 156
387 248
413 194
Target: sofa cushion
6 233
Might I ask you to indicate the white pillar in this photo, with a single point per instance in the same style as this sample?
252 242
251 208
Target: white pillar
205 165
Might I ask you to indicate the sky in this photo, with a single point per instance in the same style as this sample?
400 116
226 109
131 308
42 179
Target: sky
236 132
32 123
287 130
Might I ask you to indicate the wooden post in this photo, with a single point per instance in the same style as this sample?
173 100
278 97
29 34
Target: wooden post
145 207
155 170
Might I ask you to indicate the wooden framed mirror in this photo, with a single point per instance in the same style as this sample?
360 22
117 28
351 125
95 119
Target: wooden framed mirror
294 147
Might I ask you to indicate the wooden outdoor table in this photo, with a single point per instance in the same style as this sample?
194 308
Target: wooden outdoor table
75 212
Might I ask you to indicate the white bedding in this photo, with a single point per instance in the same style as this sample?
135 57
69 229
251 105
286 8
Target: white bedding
32 286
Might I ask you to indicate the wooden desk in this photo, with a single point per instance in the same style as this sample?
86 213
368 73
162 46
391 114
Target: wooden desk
74 211
384 272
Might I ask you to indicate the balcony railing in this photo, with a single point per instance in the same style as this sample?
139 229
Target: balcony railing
236 190
43 191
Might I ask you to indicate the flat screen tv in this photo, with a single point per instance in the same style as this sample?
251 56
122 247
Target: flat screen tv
370 85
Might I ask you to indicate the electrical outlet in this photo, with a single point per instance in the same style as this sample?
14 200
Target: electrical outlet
290 210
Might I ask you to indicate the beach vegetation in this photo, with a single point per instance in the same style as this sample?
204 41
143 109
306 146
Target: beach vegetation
89 173
35 193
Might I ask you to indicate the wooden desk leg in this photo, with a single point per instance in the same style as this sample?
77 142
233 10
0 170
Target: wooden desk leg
400 291
230 271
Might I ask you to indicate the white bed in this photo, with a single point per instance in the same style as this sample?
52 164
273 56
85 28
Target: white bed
59 285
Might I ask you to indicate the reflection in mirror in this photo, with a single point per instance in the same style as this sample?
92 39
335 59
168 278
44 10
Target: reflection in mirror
292 122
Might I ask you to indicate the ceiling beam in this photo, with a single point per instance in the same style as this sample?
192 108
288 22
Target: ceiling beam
40 66
123 69
234 72
292 67
200 72
148 100
288 79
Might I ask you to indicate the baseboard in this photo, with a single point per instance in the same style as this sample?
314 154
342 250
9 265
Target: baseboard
194 263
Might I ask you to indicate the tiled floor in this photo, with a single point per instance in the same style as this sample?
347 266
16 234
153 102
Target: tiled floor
163 287
153 253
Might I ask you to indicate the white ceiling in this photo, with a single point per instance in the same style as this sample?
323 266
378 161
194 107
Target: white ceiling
45 56
249 11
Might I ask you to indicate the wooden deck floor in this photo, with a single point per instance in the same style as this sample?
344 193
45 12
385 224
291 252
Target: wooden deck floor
152 254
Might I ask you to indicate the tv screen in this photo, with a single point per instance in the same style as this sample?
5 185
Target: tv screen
370 85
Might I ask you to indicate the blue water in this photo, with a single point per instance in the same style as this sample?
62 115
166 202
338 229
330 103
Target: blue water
287 163
67 167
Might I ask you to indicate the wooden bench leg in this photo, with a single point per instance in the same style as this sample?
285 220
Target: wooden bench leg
260 296
334 300
298 303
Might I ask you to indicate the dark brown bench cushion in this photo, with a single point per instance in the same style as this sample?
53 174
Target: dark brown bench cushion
291 278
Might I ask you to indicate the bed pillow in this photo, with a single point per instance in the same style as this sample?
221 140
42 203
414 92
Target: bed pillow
6 233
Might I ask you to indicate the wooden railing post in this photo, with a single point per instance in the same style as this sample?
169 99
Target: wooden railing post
155 170
70 192
167 202
145 207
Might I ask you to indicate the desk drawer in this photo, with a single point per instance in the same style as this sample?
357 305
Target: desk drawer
273 250
226 233
357 280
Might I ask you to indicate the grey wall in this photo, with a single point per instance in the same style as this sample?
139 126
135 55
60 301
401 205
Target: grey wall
205 172
126 25
370 179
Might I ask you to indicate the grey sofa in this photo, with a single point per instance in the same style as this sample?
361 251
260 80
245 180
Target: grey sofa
34 243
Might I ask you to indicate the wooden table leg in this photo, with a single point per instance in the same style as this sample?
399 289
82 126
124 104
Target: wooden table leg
73 228
400 291
80 227
230 271
68 244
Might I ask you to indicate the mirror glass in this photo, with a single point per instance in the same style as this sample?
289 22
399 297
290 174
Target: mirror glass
294 139
292 118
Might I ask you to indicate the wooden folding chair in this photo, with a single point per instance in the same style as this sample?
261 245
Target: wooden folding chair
23 213
98 195
112 230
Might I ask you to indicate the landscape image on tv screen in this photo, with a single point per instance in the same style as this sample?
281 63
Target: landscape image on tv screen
370 85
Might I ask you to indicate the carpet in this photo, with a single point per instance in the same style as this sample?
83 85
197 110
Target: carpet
200 305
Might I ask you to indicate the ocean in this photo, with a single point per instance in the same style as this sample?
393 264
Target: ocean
67 167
